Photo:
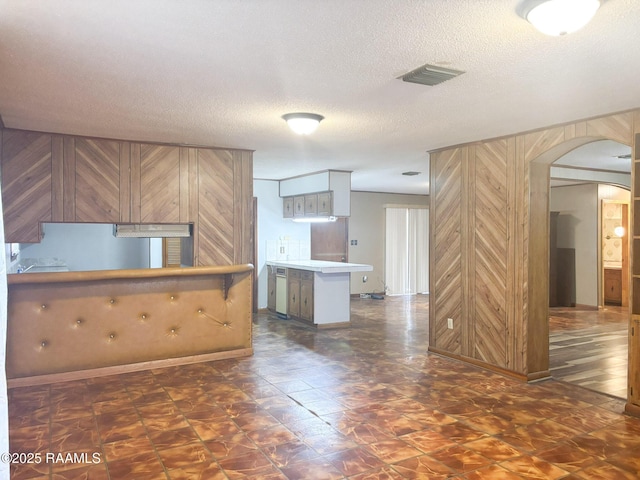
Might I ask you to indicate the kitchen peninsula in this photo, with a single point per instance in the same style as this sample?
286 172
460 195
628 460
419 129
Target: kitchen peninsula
80 324
70 325
314 291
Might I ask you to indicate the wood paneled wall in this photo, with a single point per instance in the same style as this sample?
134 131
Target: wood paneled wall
26 182
62 178
489 244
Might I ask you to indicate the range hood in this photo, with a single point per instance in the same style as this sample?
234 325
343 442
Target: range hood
151 230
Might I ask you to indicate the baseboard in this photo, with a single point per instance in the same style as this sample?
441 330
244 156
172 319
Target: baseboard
580 306
632 409
132 367
487 366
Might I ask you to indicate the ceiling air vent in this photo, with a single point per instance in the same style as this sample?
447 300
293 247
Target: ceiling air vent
430 75
410 174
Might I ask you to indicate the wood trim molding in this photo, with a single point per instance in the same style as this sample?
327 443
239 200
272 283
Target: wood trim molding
632 409
486 366
579 127
92 275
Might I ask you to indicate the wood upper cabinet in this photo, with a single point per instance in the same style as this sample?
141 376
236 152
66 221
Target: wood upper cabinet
97 180
26 184
215 207
298 206
325 205
308 205
62 178
160 184
287 207
311 204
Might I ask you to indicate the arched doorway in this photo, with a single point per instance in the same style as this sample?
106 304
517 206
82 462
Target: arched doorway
589 274
538 248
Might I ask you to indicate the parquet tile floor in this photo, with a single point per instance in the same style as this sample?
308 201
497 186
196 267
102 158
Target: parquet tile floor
590 348
363 403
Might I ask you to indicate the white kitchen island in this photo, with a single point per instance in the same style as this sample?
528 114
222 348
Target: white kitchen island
318 292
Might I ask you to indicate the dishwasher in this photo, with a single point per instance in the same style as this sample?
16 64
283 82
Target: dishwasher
281 291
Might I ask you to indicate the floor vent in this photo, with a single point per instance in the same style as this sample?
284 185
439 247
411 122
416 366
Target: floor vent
430 75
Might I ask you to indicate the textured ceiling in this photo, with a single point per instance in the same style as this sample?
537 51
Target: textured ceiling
222 73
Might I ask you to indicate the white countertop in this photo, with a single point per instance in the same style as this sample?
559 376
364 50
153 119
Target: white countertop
322 266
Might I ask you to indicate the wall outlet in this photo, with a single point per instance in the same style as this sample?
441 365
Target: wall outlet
450 323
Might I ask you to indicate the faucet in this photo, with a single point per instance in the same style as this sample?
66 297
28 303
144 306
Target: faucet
21 269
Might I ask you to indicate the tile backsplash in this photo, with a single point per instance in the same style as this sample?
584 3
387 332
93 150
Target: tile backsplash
287 249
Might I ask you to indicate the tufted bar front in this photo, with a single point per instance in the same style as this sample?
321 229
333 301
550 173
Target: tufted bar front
81 324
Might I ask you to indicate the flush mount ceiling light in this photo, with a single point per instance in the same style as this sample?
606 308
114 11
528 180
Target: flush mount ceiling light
559 17
303 123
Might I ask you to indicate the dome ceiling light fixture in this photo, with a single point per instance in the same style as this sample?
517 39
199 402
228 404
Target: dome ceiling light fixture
559 17
303 123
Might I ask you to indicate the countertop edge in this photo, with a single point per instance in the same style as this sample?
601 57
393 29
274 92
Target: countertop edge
56 277
337 268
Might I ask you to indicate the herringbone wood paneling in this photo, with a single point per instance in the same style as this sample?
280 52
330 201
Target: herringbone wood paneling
215 207
517 263
447 191
490 252
489 244
537 143
26 184
244 251
614 127
159 184
97 180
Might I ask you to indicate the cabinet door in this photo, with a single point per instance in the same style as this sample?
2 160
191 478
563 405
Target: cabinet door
215 207
306 296
293 292
159 184
311 204
613 286
287 207
324 204
26 184
97 191
298 206
271 290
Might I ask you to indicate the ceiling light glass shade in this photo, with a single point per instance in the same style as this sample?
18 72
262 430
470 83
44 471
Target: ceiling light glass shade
303 123
559 17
